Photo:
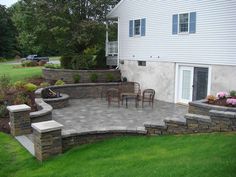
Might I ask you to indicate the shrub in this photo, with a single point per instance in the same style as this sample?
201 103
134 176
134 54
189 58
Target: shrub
101 59
59 82
222 95
3 111
52 66
19 85
30 87
110 77
93 77
42 62
5 83
211 98
44 84
66 62
28 63
22 99
2 60
76 78
83 62
233 93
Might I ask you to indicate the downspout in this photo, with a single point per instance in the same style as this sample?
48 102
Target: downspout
118 43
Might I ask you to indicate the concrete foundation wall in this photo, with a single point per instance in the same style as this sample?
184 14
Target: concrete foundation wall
159 76
223 78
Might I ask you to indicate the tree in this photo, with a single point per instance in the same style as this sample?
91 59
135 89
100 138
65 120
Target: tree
7 34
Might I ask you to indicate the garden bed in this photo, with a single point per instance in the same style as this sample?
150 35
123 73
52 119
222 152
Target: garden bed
81 76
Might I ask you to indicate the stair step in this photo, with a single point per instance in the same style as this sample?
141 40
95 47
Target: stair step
175 121
198 117
159 125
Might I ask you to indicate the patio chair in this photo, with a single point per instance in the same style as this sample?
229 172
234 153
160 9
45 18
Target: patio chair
113 95
148 96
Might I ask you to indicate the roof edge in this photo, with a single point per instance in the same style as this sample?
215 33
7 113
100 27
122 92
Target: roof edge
112 11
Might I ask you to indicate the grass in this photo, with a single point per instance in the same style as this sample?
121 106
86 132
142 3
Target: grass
17 74
206 155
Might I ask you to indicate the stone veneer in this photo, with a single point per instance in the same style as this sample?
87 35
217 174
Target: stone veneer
67 75
47 139
19 119
58 103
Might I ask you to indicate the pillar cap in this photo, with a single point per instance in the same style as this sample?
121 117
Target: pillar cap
47 126
19 108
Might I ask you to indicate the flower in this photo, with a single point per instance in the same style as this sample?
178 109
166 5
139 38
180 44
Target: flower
231 101
222 95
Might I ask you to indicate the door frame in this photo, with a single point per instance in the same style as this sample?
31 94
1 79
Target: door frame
177 74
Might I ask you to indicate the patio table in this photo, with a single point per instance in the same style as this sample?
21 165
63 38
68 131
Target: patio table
128 96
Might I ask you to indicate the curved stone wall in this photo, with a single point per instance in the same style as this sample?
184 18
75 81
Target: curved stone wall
67 75
58 103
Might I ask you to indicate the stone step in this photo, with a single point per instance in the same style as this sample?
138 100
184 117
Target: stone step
158 125
198 117
176 121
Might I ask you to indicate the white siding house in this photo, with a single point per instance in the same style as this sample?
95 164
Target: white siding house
188 46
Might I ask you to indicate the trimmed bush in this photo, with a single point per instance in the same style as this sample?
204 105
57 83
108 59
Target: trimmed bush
19 85
93 77
110 77
44 84
76 78
66 62
2 60
28 63
52 66
59 83
30 87
83 62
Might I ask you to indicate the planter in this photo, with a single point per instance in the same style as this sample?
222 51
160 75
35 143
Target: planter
52 75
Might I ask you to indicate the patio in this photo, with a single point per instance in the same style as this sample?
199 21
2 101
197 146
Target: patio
84 115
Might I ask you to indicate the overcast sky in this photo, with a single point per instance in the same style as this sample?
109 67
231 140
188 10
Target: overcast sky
8 3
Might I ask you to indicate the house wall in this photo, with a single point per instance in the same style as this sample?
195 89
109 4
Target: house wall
213 43
159 76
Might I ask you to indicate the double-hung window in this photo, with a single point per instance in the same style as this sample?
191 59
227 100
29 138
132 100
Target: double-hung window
137 27
184 23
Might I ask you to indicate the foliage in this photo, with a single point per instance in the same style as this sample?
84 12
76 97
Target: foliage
2 60
66 62
52 66
59 83
93 77
233 93
28 63
21 99
222 95
231 101
3 111
211 98
30 87
7 34
214 156
110 77
81 62
19 85
76 78
5 83
44 84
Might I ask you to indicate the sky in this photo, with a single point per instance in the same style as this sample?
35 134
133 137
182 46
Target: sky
8 3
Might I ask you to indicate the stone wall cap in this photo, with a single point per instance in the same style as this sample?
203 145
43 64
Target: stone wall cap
19 108
47 126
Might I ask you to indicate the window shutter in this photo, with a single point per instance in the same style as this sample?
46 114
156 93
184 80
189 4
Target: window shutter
175 24
193 19
131 28
143 27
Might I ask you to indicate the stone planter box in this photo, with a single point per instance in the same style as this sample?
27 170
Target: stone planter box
202 107
58 103
67 75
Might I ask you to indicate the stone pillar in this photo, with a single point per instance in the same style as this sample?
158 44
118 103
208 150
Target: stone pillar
47 139
19 119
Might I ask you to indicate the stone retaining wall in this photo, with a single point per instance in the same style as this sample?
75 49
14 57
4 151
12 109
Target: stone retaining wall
67 75
91 90
58 103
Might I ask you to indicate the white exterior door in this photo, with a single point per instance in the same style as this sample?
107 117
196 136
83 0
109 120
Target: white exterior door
185 92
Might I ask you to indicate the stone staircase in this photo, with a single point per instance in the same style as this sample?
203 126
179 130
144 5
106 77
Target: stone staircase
215 121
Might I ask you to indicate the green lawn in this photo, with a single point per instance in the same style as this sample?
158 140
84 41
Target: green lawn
206 155
19 73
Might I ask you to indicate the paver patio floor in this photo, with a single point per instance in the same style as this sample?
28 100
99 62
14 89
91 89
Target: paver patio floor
94 114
